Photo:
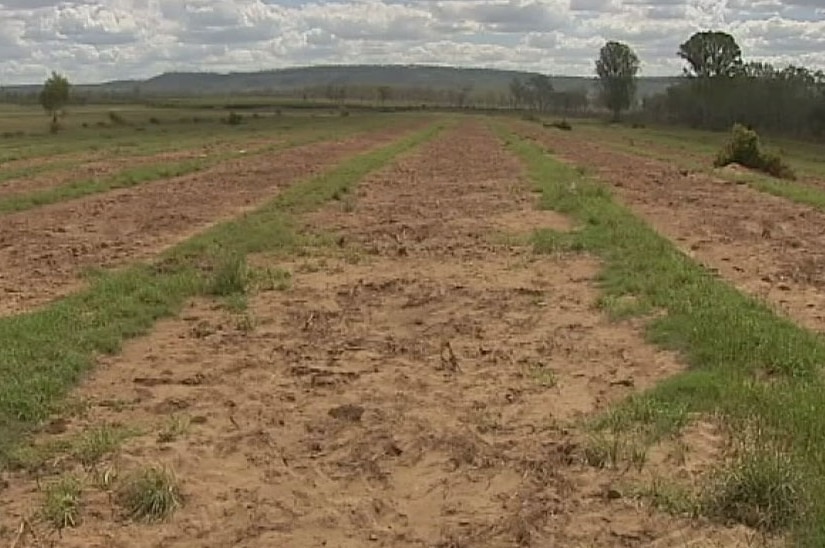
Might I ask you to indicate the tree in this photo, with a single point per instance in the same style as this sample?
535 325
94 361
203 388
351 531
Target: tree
384 93
55 96
617 67
711 54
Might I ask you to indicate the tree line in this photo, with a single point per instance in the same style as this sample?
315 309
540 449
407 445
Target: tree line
719 89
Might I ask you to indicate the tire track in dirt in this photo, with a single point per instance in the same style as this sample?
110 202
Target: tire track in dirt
43 251
767 246
418 395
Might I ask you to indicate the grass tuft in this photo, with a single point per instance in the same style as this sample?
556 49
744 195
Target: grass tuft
762 489
151 494
62 505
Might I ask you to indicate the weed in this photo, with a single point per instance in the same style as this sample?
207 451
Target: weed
151 494
543 376
62 505
174 428
246 323
271 279
98 442
104 479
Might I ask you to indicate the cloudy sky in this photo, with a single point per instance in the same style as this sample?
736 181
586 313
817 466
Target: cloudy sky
110 39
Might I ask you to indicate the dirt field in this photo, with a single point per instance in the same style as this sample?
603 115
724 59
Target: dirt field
768 246
420 384
101 167
45 249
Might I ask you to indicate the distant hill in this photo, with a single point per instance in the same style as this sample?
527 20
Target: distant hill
281 81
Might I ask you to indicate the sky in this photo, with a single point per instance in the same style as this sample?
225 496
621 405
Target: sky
94 41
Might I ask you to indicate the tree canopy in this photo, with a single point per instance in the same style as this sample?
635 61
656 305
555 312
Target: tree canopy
711 54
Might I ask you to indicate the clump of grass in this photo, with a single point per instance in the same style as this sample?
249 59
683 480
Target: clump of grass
98 442
151 494
62 505
762 489
229 276
744 148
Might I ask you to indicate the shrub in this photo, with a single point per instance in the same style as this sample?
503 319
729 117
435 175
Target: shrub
744 148
117 119
154 121
563 125
234 119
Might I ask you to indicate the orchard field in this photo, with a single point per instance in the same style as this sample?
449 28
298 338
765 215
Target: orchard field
404 329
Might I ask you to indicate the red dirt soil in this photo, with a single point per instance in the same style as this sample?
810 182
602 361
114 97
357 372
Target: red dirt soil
766 246
44 250
417 387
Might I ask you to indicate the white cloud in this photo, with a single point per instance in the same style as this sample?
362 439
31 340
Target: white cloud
113 39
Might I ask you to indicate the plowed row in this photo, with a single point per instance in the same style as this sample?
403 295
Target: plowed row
767 246
43 251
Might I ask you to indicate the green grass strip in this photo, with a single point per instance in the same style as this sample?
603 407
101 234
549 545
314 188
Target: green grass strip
758 370
44 353
136 176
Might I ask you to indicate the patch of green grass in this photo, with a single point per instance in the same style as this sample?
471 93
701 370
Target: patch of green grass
87 449
45 352
62 505
230 275
98 442
149 495
671 497
763 489
748 366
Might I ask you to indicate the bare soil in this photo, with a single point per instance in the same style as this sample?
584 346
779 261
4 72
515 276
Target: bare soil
767 246
420 386
103 167
44 250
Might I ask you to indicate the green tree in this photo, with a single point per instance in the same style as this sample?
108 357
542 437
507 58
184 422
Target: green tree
55 96
617 67
711 54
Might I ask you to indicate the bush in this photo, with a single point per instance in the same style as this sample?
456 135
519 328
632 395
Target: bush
744 148
563 125
154 121
117 119
234 119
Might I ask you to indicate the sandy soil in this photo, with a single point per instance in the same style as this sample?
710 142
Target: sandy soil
103 167
42 251
417 387
767 246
